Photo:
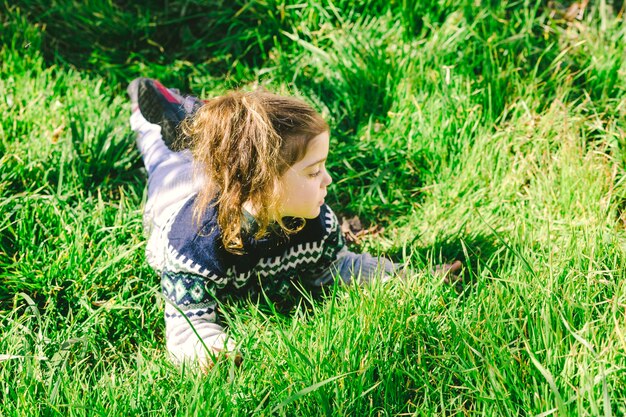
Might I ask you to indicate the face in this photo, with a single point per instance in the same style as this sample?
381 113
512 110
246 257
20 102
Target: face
304 183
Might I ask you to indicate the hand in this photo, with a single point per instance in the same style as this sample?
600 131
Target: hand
451 273
220 356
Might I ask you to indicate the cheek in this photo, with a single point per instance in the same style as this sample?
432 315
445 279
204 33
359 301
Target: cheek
294 191
300 191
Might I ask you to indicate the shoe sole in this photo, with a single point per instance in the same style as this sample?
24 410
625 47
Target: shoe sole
151 97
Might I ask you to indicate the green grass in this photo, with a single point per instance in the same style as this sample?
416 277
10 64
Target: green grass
492 133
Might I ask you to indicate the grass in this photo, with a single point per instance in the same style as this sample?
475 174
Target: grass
492 133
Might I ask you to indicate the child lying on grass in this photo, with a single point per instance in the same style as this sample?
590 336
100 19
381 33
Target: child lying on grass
236 207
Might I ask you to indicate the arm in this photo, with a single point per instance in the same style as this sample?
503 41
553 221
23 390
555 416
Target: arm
191 328
364 266
361 266
338 260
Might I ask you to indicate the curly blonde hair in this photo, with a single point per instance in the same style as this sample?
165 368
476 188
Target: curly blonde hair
242 143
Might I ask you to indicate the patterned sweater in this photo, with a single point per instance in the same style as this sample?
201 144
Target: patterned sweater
197 272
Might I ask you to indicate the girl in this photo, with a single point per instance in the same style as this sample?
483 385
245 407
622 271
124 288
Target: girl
250 217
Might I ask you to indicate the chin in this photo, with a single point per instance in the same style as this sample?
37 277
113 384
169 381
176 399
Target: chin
313 214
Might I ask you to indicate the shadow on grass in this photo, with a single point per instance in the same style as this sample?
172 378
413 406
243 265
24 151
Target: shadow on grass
477 252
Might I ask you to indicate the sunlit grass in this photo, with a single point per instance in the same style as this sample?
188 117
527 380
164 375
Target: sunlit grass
492 133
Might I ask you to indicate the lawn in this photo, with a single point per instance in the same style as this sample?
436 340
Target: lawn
487 131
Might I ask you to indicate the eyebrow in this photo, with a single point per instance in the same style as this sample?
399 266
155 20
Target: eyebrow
315 163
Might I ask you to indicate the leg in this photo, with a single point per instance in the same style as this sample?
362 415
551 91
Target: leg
170 174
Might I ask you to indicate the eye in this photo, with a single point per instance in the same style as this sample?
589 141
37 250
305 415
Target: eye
315 174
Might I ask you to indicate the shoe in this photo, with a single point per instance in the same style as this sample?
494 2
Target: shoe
164 107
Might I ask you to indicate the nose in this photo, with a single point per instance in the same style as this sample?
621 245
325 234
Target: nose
327 178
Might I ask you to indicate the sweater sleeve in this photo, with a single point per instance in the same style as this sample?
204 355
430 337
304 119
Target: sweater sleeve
346 264
365 267
192 330
362 267
192 279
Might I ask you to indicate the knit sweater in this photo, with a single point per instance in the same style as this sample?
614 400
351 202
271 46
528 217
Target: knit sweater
197 271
